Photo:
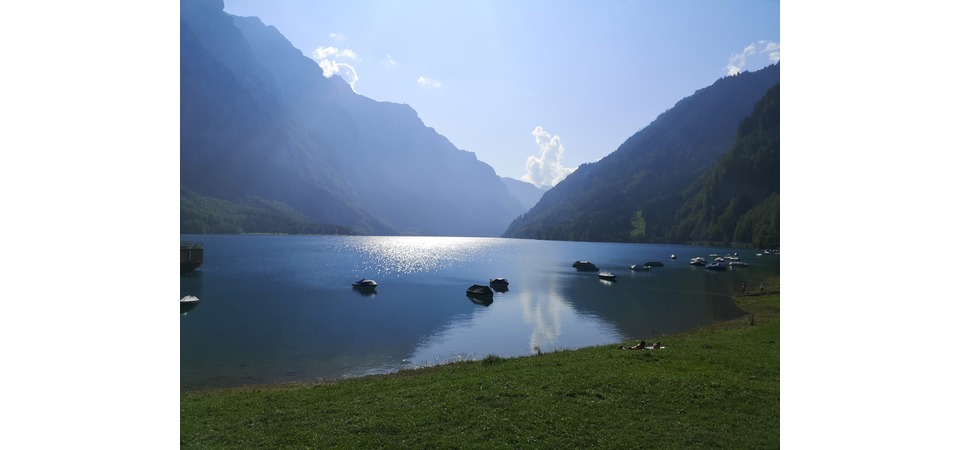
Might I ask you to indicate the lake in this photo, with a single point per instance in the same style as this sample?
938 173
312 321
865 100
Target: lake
282 308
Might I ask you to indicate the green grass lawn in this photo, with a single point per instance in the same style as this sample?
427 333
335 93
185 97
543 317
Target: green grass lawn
715 387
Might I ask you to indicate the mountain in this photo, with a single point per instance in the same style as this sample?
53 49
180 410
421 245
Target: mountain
205 215
527 193
738 199
236 138
608 200
258 118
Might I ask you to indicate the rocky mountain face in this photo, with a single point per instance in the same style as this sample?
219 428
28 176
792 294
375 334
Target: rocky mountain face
606 200
259 118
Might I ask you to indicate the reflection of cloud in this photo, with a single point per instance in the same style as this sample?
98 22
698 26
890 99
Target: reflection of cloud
544 314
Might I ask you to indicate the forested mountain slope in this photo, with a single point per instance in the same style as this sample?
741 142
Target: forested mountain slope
206 215
738 199
605 200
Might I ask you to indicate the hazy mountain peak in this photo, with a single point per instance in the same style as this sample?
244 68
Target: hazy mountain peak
260 118
528 193
210 6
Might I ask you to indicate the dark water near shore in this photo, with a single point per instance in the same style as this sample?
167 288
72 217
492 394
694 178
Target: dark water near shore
282 308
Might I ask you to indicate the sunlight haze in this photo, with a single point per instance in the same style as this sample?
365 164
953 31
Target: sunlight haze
489 75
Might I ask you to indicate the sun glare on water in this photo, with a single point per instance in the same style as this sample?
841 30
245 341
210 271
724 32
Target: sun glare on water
413 254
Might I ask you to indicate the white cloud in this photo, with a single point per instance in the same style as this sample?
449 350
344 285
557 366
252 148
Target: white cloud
346 71
546 170
428 82
388 62
773 48
323 52
739 60
331 67
336 36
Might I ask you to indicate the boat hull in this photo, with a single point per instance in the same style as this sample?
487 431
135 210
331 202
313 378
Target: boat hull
189 267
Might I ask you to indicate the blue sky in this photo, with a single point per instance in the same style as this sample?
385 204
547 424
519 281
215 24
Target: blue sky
515 82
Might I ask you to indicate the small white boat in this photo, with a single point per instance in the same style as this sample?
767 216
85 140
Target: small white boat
189 299
738 264
608 276
716 266
639 267
714 255
673 256
718 260
365 284
698 261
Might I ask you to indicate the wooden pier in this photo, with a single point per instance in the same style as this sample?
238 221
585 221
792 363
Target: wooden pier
191 255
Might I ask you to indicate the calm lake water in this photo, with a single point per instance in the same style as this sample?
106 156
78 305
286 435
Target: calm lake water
282 308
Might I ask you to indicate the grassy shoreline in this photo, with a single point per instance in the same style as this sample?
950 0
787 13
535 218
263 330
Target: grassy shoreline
717 386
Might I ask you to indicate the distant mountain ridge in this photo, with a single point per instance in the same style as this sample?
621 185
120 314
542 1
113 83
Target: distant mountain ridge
527 193
259 118
601 201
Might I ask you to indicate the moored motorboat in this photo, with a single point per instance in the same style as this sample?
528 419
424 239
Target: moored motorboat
480 290
608 276
673 256
639 267
188 300
717 266
585 266
365 284
698 261
499 282
738 264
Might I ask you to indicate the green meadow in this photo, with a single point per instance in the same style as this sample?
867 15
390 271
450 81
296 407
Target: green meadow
713 387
